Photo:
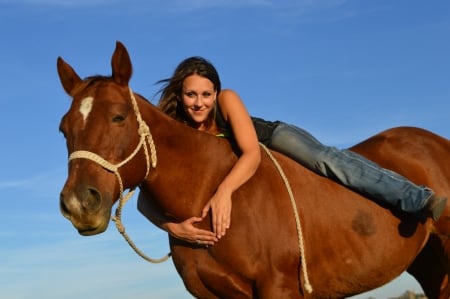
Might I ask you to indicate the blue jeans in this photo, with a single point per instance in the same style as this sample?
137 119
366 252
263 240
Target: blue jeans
349 169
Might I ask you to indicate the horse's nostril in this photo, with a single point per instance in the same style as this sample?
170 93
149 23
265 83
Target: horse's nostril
62 205
92 199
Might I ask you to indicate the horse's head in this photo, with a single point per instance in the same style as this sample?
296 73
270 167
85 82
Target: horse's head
104 133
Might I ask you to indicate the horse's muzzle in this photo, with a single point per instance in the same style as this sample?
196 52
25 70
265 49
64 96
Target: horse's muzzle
87 210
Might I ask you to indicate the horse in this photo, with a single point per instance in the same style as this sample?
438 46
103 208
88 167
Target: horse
118 140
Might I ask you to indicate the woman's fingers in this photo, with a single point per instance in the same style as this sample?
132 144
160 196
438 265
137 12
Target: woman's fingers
206 209
206 238
222 220
200 236
221 214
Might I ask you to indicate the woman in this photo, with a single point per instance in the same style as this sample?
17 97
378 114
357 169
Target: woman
193 95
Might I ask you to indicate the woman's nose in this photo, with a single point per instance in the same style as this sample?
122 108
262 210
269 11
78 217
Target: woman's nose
198 101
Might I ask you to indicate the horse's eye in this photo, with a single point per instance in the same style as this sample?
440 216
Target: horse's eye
118 118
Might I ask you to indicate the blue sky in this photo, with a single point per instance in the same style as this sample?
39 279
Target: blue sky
342 69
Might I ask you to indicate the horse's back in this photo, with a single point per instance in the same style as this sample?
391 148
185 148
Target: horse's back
418 154
347 235
352 244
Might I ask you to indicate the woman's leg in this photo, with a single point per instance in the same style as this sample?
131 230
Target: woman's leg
349 169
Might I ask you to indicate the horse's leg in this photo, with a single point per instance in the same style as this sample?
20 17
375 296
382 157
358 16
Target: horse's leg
271 283
434 280
223 283
278 285
204 277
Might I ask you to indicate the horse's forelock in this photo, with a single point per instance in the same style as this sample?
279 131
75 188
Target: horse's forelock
90 82
95 80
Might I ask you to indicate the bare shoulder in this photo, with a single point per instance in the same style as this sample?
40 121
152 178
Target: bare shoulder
232 107
229 100
228 94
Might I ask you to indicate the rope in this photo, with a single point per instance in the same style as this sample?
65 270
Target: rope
121 228
301 244
146 139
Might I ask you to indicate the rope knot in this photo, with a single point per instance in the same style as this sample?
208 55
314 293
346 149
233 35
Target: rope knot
143 130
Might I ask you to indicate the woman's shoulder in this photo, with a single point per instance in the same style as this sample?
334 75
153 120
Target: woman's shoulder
228 93
228 97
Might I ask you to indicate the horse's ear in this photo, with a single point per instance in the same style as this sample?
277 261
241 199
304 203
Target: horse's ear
69 78
121 65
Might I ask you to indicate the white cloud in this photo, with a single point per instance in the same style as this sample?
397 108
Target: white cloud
182 6
61 3
43 184
30 182
154 4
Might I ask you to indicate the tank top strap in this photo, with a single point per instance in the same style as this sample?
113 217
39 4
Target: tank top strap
223 126
220 121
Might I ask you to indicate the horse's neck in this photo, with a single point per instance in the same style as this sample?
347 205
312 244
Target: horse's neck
191 165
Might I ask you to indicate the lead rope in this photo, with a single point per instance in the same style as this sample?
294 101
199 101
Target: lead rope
301 242
145 140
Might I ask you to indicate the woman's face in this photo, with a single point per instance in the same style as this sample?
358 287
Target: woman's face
198 97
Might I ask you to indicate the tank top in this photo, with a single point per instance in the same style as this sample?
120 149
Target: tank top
263 128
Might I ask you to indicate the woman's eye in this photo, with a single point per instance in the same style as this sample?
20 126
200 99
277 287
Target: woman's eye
118 118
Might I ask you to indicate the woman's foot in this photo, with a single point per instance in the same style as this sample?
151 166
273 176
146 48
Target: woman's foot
435 207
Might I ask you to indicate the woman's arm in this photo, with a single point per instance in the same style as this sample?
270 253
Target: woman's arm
235 113
184 230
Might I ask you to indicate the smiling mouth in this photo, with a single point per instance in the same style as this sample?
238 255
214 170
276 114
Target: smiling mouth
197 109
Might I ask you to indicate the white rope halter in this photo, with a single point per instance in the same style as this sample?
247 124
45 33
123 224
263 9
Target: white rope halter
145 142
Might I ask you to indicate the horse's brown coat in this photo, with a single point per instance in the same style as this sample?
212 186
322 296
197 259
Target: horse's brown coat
352 244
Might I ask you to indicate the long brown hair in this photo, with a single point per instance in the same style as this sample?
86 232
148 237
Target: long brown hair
171 91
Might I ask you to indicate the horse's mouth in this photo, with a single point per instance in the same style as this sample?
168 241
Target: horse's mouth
90 231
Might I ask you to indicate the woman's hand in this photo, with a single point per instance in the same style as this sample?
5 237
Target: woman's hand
220 205
184 230
188 232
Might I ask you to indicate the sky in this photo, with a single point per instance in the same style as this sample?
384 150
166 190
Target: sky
342 69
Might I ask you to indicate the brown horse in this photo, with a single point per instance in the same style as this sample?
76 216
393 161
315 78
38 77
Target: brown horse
351 244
